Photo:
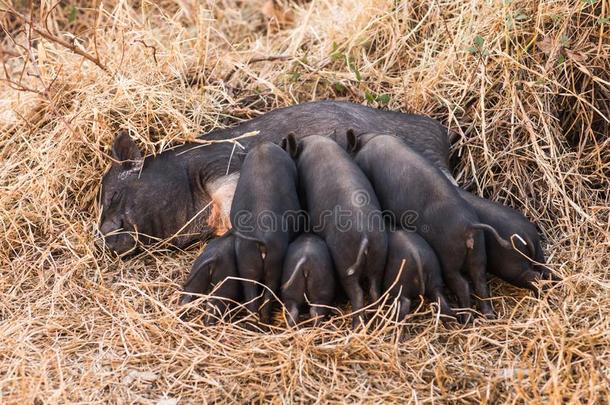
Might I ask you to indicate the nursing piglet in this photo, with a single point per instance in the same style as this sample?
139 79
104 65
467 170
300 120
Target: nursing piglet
420 276
344 211
265 216
212 272
413 189
308 278
514 266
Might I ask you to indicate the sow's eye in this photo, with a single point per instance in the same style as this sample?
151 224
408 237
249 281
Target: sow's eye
107 200
114 196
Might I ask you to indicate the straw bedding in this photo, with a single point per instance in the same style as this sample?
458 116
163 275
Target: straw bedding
524 87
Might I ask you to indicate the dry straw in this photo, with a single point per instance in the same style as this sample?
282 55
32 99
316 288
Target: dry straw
523 85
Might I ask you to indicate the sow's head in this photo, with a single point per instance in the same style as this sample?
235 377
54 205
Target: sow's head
162 198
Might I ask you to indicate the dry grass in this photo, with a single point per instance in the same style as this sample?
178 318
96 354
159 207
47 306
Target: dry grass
529 99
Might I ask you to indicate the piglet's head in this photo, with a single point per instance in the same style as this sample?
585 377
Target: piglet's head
200 278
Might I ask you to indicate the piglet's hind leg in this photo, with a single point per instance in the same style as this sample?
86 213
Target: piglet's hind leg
476 263
318 314
251 297
273 279
292 313
460 287
356 298
404 308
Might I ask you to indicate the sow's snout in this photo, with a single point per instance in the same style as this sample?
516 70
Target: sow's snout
115 237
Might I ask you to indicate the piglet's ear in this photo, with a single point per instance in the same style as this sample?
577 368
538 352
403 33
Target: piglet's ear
125 150
353 142
291 145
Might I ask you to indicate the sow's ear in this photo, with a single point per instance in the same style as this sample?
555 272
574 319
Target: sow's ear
125 150
353 142
291 145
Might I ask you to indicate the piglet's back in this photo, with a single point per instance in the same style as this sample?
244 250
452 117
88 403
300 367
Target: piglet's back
505 219
331 171
389 161
267 182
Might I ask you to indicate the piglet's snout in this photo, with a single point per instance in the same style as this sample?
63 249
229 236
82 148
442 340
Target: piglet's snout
186 299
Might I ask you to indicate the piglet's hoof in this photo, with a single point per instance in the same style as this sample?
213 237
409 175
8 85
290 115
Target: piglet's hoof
265 318
465 318
487 311
251 326
490 316
315 322
210 320
357 323
449 320
186 299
